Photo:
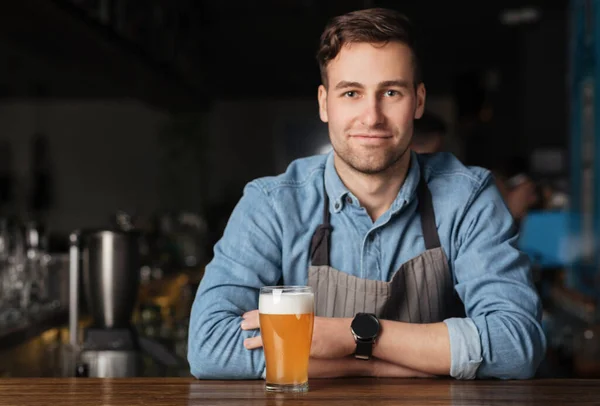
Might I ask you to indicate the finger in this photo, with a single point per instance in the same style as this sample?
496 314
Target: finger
252 314
253 343
249 325
250 320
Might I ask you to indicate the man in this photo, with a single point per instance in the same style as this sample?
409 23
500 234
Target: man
429 133
422 244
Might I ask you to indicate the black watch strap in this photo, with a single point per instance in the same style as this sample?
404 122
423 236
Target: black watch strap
364 349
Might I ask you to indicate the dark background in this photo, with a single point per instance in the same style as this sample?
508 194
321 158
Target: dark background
161 105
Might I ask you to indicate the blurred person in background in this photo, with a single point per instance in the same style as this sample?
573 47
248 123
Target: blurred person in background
518 189
429 134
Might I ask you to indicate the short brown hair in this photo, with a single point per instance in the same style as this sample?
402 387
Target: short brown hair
374 25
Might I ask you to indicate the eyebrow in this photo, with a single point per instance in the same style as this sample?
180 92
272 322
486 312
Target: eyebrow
394 83
344 84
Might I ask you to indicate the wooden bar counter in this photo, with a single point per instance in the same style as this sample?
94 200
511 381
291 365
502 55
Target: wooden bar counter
185 391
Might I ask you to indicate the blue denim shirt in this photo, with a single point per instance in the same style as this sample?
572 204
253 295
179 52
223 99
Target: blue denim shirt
268 235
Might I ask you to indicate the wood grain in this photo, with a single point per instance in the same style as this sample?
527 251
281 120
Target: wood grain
184 391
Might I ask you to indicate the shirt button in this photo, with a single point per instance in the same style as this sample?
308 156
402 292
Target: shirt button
349 200
336 206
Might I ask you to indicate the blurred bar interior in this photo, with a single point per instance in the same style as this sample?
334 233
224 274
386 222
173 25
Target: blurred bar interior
128 129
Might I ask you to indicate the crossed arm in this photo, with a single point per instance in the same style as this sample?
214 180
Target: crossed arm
501 338
422 351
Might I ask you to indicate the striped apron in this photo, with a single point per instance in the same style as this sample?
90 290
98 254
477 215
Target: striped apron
420 291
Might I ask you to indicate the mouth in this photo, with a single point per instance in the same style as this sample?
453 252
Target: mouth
371 139
371 136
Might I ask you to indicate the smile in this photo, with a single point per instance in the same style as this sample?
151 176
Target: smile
369 136
371 139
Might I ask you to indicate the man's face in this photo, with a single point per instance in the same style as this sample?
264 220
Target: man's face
370 104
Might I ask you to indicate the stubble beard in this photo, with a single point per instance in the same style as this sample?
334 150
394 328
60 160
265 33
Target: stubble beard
374 164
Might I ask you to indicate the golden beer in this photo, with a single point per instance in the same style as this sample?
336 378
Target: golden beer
286 326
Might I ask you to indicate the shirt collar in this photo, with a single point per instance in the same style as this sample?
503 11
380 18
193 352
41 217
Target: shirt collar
336 190
409 187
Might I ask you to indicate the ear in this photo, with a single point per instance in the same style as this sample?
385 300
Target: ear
421 95
322 97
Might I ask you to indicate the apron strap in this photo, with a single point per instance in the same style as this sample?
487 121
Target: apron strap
427 214
320 242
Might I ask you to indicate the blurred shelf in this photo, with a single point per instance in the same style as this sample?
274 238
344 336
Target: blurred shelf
48 354
17 335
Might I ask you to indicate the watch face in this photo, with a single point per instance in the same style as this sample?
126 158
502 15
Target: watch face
365 326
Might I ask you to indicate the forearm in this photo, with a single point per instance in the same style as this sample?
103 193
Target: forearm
215 350
215 340
421 347
418 347
350 366
337 368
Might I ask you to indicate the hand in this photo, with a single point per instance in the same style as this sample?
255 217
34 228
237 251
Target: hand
250 322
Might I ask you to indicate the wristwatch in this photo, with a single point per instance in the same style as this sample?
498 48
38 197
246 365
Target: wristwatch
365 329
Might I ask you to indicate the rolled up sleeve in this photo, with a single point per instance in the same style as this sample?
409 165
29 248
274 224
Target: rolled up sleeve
493 279
465 348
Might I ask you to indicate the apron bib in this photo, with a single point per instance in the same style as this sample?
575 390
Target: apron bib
420 291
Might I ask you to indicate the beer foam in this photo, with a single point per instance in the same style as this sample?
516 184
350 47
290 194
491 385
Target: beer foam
286 303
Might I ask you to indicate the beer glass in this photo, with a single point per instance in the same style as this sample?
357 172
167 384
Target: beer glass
286 315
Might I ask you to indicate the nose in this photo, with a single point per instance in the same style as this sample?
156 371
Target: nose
372 114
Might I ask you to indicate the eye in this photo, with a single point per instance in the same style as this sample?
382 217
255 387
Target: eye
392 93
350 94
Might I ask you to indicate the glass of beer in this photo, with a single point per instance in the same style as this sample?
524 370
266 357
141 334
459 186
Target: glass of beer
286 316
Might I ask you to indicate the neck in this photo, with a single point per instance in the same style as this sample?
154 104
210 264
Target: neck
375 192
